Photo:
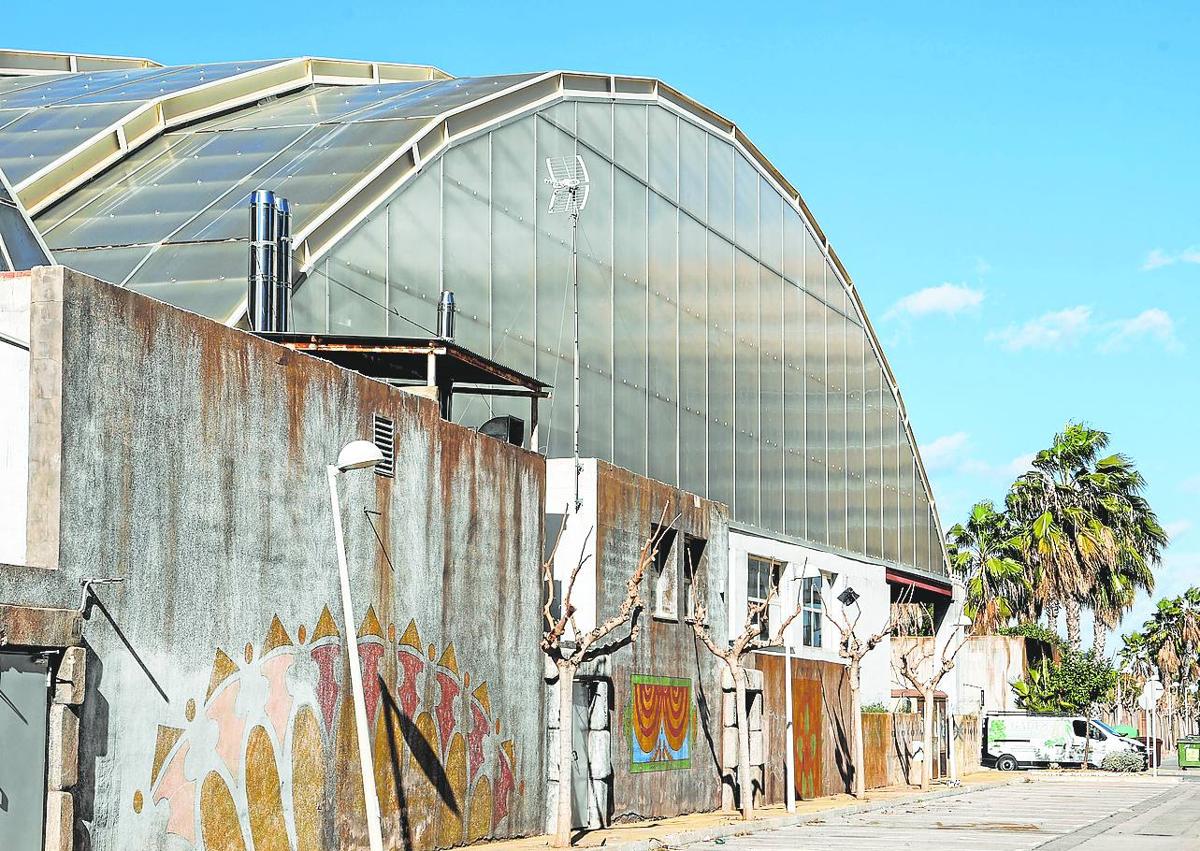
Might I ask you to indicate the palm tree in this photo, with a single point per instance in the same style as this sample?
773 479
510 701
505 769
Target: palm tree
1135 542
1087 530
1060 531
985 554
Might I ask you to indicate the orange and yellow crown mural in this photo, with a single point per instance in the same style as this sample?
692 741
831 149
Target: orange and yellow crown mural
268 759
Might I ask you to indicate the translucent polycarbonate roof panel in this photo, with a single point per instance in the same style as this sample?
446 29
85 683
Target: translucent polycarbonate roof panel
108 264
32 139
19 246
177 184
205 277
441 97
322 165
126 86
314 105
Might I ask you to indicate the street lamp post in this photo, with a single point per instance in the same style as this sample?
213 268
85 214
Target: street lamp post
356 455
963 623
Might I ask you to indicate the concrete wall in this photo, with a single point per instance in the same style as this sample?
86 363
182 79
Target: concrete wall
990 664
217 713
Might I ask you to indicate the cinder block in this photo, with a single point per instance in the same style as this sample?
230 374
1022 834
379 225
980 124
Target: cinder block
60 817
598 710
756 747
754 711
729 709
600 754
729 748
71 673
552 705
598 805
552 753
62 757
754 679
551 804
726 678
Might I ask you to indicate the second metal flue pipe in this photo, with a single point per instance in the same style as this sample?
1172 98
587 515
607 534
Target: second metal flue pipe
269 299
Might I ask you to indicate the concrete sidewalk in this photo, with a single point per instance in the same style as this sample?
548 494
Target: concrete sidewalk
702 827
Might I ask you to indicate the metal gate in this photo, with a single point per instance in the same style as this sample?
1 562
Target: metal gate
24 712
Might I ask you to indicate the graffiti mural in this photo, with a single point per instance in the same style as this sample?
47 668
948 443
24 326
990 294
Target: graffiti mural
267 757
661 723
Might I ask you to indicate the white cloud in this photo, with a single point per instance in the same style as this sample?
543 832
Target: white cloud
1049 331
1177 528
948 299
1156 258
1191 485
1020 464
945 451
1154 323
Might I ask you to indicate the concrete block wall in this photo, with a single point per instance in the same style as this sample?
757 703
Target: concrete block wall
729 738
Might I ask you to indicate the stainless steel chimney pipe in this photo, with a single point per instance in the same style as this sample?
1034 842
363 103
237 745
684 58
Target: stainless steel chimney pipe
281 304
263 249
446 308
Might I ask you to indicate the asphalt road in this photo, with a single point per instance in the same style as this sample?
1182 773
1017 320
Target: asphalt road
1072 814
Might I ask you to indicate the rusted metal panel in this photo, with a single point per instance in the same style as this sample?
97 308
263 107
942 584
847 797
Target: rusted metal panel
626 507
821 707
877 743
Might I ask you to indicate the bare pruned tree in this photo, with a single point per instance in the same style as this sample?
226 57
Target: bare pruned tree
923 670
853 648
568 653
751 638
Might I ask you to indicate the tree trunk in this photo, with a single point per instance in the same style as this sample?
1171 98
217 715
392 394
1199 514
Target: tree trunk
745 786
1051 610
562 816
1099 636
927 741
1072 607
856 727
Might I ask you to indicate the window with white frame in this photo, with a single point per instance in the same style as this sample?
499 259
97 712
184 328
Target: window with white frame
761 575
812 615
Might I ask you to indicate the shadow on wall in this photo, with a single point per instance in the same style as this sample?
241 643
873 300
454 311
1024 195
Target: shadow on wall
444 774
93 747
841 755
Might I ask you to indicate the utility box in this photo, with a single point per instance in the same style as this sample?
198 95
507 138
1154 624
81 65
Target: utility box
1189 752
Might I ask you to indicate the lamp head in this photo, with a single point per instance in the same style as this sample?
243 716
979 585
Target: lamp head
964 622
848 597
358 455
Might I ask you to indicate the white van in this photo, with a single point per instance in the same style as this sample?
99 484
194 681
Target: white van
1017 740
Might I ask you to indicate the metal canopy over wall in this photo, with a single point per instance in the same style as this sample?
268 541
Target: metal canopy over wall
725 348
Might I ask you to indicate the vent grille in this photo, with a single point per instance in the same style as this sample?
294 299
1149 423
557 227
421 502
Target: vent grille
385 438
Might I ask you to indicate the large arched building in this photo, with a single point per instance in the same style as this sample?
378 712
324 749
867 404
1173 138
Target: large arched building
723 345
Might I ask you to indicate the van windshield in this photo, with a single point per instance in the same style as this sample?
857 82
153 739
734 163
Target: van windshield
1107 728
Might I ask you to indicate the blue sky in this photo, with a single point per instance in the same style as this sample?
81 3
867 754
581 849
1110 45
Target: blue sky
1014 187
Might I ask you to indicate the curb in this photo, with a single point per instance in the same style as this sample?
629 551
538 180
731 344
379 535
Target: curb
707 834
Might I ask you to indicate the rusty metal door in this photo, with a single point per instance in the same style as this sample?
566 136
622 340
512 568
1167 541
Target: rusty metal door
24 712
807 726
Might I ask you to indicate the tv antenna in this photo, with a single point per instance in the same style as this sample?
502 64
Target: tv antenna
569 177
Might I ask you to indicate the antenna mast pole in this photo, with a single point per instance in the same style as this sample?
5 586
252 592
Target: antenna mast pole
569 177
575 351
